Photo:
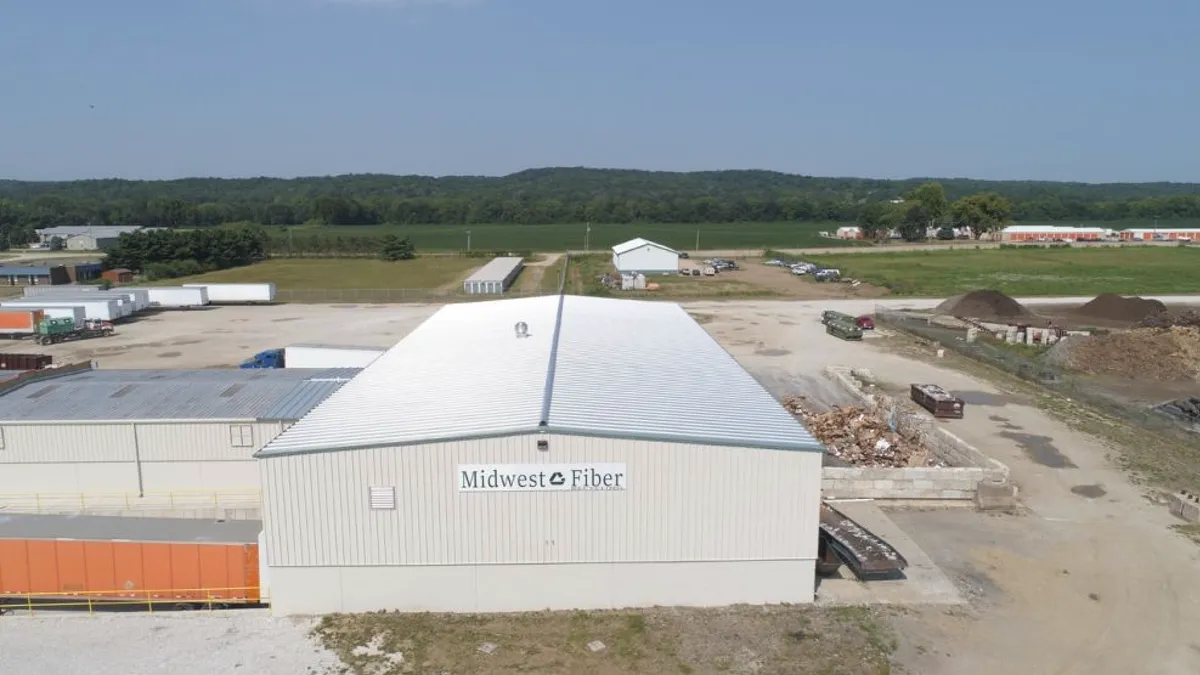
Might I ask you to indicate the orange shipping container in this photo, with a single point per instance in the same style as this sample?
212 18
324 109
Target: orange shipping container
23 320
166 560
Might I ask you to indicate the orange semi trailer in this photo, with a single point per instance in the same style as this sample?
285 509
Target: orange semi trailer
86 561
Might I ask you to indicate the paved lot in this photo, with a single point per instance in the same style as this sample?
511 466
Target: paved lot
1089 580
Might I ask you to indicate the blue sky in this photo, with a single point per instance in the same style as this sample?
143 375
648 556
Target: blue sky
1055 89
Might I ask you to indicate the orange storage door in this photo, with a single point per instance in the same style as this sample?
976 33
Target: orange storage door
99 563
14 567
185 571
129 575
72 569
249 559
43 566
156 567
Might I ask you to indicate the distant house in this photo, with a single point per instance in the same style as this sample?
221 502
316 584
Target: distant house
86 237
642 255
850 232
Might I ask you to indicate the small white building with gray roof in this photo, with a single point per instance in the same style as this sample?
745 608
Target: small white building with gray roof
77 435
540 453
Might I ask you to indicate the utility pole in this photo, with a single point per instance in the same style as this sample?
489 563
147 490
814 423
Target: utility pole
697 239
468 241
587 237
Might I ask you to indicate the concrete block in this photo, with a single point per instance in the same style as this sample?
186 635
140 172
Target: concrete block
1186 506
995 496
884 485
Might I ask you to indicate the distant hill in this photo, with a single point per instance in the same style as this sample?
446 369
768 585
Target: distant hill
552 195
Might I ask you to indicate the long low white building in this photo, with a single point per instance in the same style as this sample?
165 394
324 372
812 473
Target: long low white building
100 432
542 453
495 277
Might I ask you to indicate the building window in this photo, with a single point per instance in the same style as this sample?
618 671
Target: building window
382 498
241 435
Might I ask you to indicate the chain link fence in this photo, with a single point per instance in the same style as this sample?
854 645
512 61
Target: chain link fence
1015 361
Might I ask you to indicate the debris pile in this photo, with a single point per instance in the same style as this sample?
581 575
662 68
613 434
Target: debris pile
1184 409
1165 319
991 306
860 436
1113 307
1162 355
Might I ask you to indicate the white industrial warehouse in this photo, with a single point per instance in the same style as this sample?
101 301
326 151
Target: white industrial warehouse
543 453
643 255
89 433
494 277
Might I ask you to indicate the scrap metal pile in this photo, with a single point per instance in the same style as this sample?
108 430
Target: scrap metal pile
861 436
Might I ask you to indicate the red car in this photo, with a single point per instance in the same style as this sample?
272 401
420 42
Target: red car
865 322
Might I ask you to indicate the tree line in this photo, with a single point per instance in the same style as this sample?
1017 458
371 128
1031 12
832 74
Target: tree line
166 254
547 196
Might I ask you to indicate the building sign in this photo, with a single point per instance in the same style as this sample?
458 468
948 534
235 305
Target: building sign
540 477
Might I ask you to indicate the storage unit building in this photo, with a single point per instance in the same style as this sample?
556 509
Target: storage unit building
541 453
1160 234
641 255
494 277
31 276
1052 232
142 431
329 356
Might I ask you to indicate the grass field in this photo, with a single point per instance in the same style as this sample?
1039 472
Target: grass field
572 237
1027 271
434 272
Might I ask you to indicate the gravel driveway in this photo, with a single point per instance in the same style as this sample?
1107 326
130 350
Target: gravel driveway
193 643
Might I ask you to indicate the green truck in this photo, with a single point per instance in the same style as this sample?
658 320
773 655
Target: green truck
52 331
845 330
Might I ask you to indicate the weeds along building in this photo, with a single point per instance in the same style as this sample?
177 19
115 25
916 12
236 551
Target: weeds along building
551 452
93 433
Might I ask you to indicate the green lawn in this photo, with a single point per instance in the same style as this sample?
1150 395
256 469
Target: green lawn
430 273
1027 271
564 237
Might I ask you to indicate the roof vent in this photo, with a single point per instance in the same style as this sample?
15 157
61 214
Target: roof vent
522 329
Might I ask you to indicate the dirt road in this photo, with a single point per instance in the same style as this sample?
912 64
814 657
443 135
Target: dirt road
1090 581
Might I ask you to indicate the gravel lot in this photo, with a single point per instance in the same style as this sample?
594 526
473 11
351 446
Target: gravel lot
247 641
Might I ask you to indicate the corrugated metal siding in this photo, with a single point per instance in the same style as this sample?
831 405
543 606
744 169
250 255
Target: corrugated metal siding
53 443
683 503
644 369
646 260
199 441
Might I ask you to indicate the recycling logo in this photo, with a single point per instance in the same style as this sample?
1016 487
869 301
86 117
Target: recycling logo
557 478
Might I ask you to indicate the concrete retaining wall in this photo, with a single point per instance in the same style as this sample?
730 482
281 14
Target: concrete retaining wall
965 466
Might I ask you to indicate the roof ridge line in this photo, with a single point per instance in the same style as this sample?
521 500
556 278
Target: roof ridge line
548 390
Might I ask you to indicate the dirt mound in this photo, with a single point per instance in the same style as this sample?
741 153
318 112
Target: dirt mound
991 306
1162 355
1186 318
1113 307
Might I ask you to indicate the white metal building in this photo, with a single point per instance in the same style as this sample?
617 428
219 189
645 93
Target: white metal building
139 431
494 277
1051 232
642 255
541 453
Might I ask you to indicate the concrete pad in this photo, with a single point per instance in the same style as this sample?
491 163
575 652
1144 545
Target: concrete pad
925 583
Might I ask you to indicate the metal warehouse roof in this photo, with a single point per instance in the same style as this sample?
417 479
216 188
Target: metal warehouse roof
98 231
637 243
251 394
614 368
6 271
103 528
497 269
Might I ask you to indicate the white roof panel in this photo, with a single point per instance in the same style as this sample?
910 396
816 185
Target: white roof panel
497 269
638 243
615 368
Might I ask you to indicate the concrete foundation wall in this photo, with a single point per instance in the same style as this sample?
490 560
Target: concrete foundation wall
965 466
519 588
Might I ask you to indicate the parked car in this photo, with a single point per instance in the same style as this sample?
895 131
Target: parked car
684 255
865 322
